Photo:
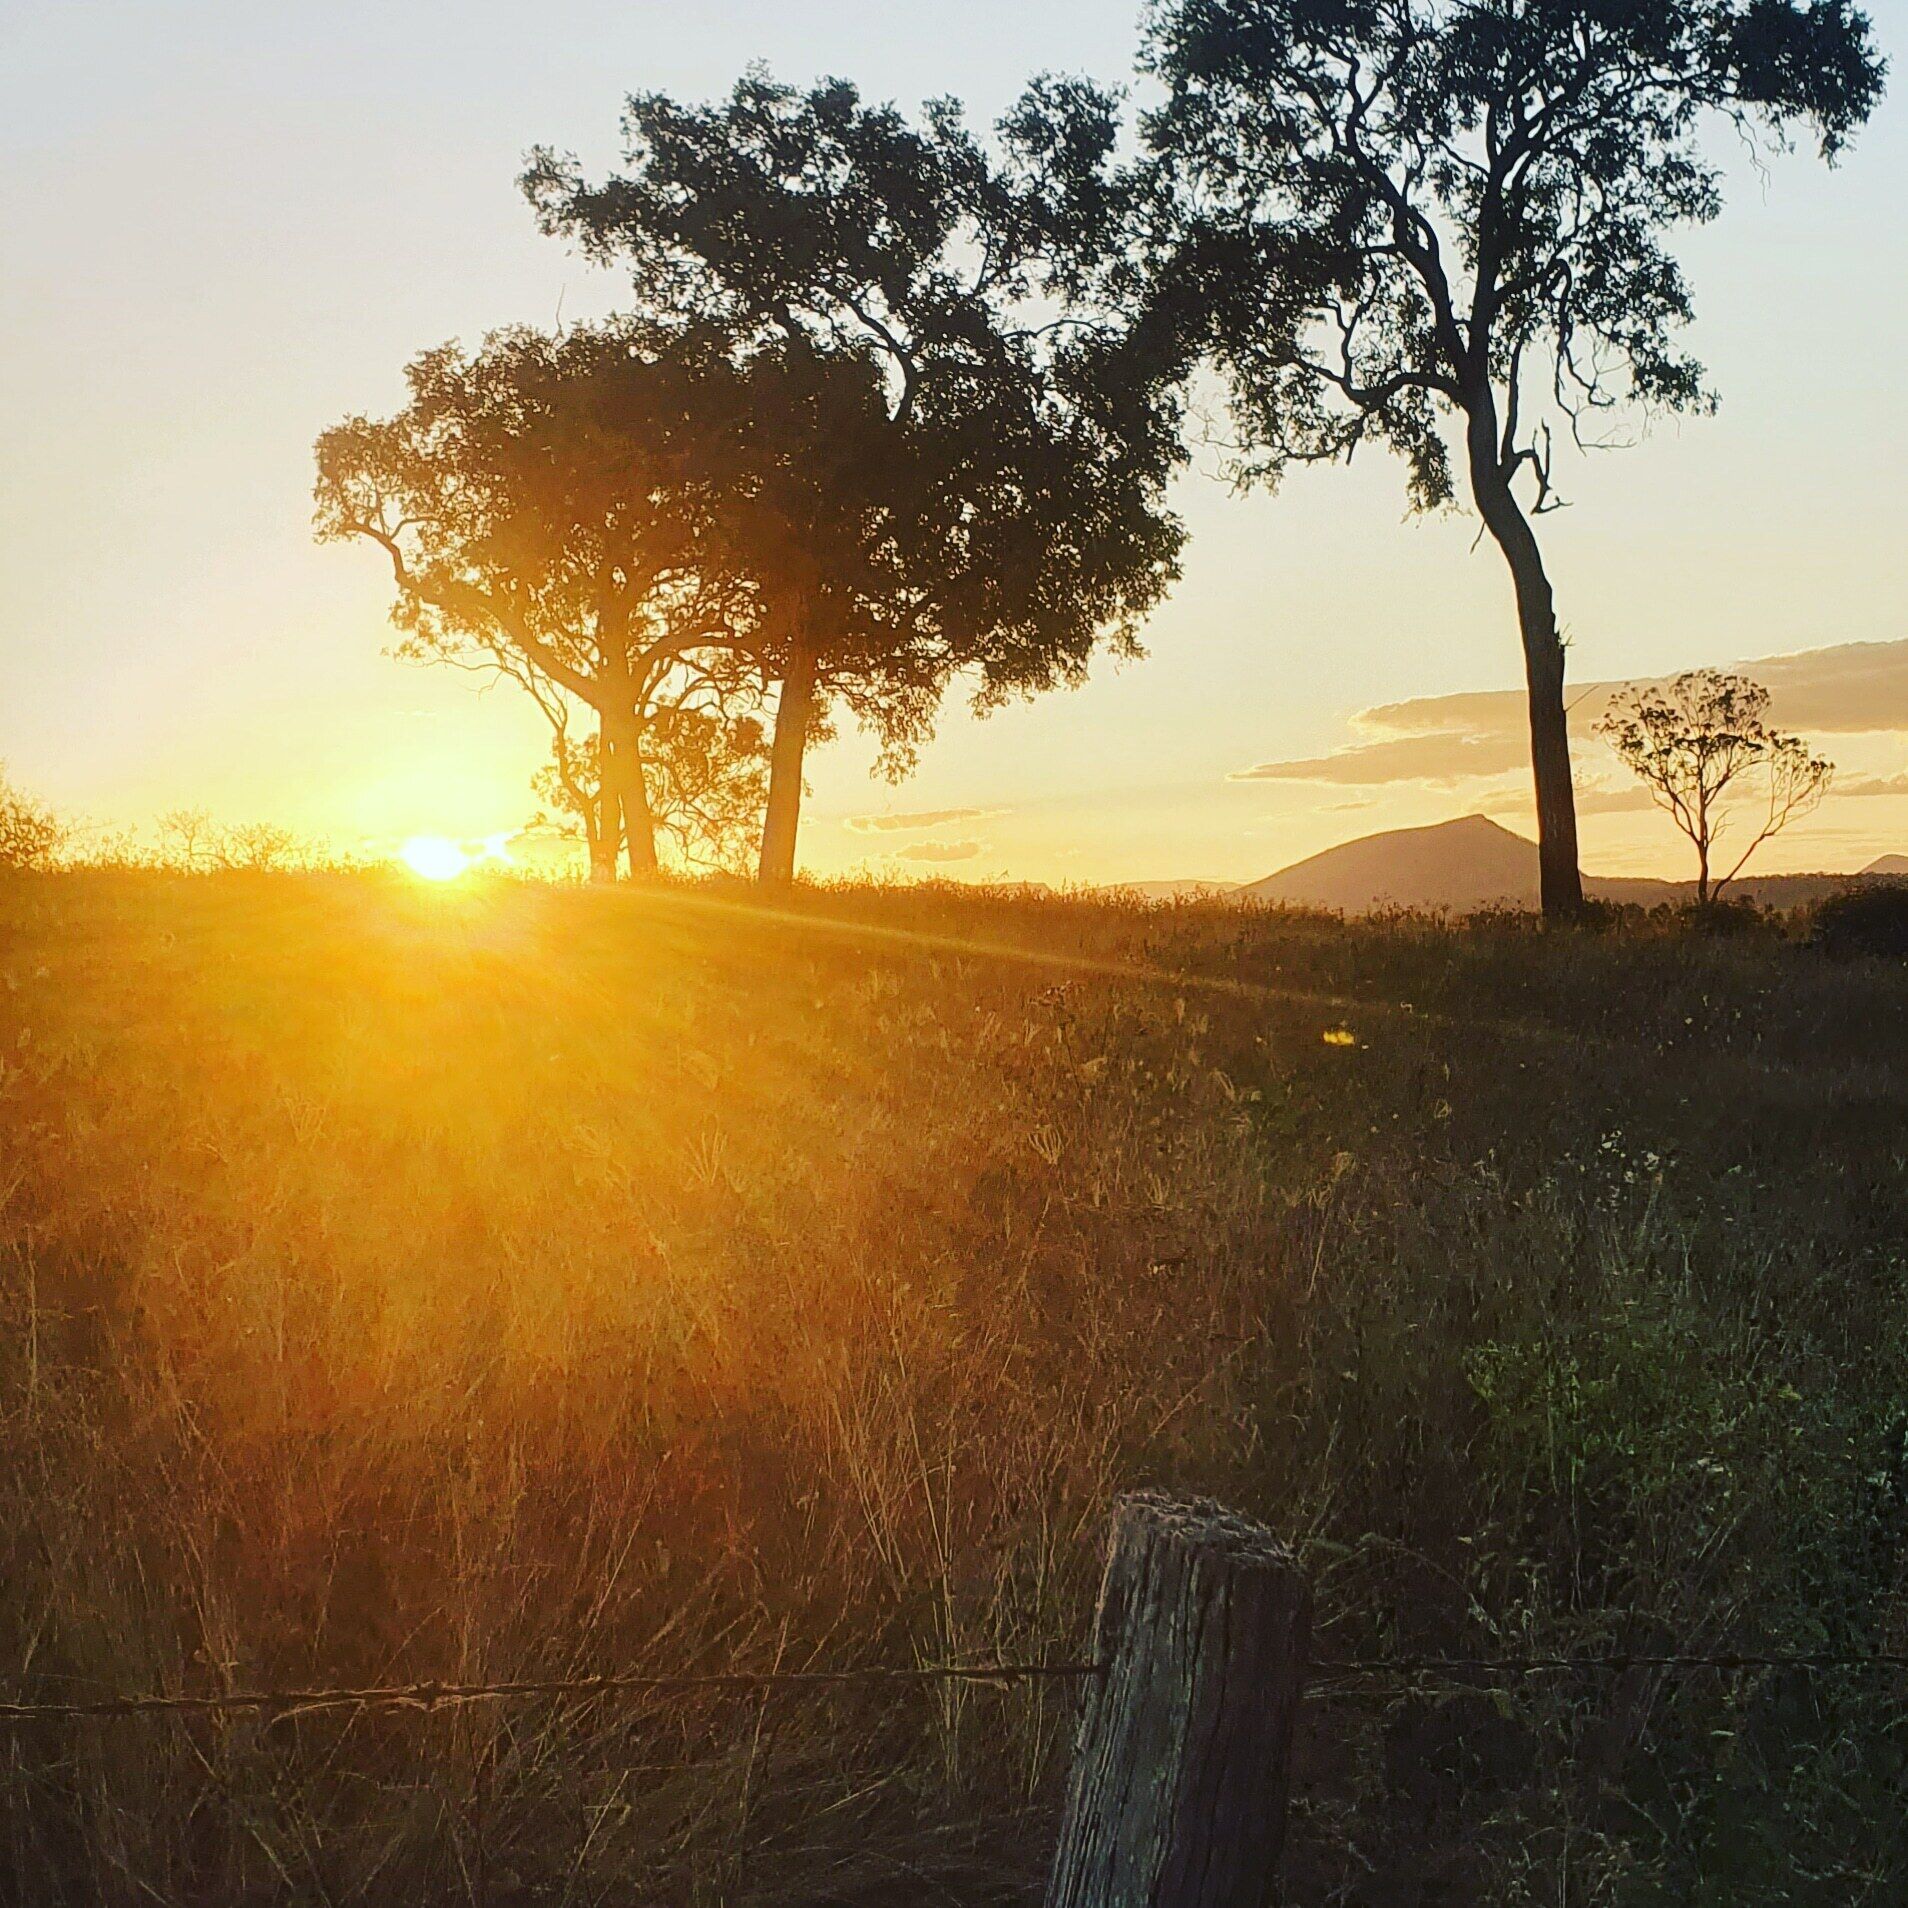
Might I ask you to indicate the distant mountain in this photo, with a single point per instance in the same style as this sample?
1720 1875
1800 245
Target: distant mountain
1478 863
1473 863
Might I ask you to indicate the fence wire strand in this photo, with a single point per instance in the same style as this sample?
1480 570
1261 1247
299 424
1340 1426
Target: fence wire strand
1414 1668
1325 1676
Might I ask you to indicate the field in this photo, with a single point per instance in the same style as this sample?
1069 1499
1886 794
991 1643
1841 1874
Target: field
404 1284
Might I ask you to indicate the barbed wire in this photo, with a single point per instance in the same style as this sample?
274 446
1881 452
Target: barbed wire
437 1695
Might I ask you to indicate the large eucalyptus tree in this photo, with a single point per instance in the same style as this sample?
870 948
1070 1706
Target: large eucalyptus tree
1445 225
1004 512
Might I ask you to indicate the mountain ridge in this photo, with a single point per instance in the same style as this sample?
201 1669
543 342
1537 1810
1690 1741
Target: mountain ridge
1474 862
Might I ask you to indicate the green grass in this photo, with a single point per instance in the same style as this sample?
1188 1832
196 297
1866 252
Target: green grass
404 1284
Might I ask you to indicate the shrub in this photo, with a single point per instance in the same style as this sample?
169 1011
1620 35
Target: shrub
30 834
257 845
1729 917
1865 920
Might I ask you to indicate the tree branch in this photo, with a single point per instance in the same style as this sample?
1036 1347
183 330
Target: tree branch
466 599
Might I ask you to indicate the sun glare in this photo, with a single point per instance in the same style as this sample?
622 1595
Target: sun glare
434 858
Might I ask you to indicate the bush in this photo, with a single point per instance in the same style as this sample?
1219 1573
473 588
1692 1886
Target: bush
1727 917
1865 920
30 835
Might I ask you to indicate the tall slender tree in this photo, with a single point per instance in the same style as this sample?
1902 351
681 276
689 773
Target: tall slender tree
1005 511
1419 213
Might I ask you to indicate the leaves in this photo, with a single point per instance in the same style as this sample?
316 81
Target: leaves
1463 208
1003 512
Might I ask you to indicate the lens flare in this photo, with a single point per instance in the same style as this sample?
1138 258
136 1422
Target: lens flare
433 858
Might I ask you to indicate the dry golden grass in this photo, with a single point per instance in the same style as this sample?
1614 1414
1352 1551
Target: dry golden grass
404 1283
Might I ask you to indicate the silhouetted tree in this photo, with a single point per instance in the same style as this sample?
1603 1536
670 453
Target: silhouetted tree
714 781
551 510
262 847
1703 747
188 838
191 840
1003 511
1412 211
575 783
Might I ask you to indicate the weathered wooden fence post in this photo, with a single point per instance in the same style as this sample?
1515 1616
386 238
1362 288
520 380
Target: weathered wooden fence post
1178 1791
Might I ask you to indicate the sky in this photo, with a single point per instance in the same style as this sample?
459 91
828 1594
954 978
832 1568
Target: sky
224 226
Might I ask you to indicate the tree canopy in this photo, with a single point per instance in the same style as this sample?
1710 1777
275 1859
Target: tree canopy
1457 212
569 511
1703 746
1007 514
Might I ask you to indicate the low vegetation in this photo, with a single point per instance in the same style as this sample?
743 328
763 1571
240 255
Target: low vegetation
31 835
493 1281
1869 920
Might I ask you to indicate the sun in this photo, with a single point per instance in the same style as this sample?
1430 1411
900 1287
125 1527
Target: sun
434 857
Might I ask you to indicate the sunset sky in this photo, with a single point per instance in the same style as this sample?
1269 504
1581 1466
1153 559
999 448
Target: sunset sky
224 226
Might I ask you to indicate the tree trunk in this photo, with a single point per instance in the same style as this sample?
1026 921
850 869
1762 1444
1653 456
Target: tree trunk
601 821
628 800
794 711
1560 878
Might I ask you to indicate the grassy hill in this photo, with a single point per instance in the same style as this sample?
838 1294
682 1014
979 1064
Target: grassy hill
449 1284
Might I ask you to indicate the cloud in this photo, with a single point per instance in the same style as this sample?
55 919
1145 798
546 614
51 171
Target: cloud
1441 756
940 851
1593 798
1614 801
1846 689
910 824
1872 785
1851 689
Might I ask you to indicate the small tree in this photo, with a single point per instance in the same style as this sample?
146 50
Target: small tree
30 833
188 838
575 783
707 771
1410 218
1002 511
1702 746
262 847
